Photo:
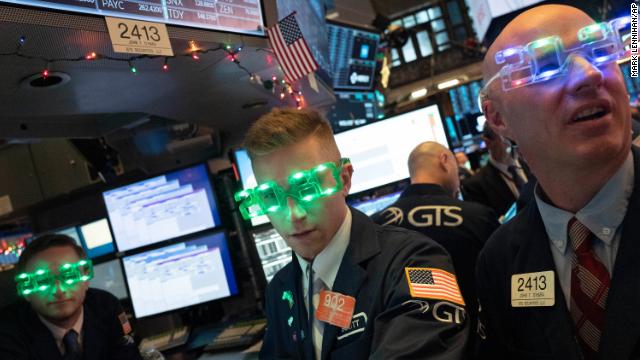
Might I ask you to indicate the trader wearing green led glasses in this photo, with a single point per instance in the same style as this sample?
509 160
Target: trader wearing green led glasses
353 289
560 280
59 316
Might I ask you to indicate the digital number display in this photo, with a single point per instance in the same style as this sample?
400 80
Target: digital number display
239 16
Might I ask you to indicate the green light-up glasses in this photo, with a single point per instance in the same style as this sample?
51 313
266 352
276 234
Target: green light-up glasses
42 280
306 186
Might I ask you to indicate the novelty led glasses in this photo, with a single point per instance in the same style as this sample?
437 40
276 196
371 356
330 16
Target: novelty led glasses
546 58
306 186
43 280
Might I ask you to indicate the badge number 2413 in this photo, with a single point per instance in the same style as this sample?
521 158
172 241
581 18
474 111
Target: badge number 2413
533 289
139 37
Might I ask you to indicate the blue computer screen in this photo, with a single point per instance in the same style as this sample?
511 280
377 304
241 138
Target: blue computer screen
352 53
248 179
355 108
372 206
96 238
12 244
180 275
164 207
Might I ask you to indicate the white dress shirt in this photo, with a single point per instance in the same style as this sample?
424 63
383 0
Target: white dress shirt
325 266
59 333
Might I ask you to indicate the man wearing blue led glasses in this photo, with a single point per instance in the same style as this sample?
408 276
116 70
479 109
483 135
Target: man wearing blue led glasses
60 317
561 280
354 289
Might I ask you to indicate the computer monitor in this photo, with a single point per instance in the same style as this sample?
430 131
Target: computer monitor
168 206
108 277
248 179
374 205
71 232
379 151
355 108
180 275
464 127
12 244
273 251
96 238
352 54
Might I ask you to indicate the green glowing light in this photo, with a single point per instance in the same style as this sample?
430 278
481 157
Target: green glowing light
298 175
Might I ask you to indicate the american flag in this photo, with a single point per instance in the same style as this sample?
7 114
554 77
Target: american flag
433 284
290 49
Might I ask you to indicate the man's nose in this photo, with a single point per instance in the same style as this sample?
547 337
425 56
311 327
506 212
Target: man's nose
583 76
296 212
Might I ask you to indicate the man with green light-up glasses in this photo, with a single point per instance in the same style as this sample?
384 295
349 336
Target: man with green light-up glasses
60 317
339 253
305 186
560 280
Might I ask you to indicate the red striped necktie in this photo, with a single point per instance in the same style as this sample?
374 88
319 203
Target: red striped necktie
590 282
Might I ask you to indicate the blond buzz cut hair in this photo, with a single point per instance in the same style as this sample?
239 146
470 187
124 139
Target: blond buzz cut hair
282 127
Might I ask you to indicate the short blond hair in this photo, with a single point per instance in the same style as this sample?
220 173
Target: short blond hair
286 126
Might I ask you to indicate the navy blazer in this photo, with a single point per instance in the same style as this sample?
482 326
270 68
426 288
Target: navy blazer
522 246
24 337
387 322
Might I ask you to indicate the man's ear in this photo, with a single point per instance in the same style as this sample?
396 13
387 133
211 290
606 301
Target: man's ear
493 116
345 176
443 160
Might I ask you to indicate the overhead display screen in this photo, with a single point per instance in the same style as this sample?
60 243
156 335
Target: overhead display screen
239 16
352 53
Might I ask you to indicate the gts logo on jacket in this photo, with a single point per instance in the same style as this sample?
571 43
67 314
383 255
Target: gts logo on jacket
424 216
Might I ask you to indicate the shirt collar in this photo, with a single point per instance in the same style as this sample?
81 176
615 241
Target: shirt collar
327 262
602 215
58 332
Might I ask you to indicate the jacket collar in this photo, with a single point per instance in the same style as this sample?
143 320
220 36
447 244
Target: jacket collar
424 189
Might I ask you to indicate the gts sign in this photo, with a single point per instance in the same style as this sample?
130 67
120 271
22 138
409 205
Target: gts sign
425 215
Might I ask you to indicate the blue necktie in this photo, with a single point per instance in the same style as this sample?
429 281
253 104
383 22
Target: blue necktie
71 346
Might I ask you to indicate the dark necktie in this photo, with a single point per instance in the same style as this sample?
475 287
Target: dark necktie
71 346
590 283
515 176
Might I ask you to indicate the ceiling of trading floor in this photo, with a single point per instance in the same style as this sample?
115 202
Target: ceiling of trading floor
212 92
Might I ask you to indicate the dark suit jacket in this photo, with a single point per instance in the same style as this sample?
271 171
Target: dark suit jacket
461 227
24 337
488 187
522 246
387 322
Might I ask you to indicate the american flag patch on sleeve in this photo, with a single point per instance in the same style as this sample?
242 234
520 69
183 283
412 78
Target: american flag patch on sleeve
430 283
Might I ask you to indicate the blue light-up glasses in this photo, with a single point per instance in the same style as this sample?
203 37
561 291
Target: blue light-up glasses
545 59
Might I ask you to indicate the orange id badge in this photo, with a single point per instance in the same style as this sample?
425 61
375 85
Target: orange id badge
335 308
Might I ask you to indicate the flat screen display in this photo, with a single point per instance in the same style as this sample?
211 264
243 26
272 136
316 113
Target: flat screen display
96 238
353 109
372 206
164 207
239 16
180 275
12 244
273 250
71 232
248 179
352 53
379 151
108 277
